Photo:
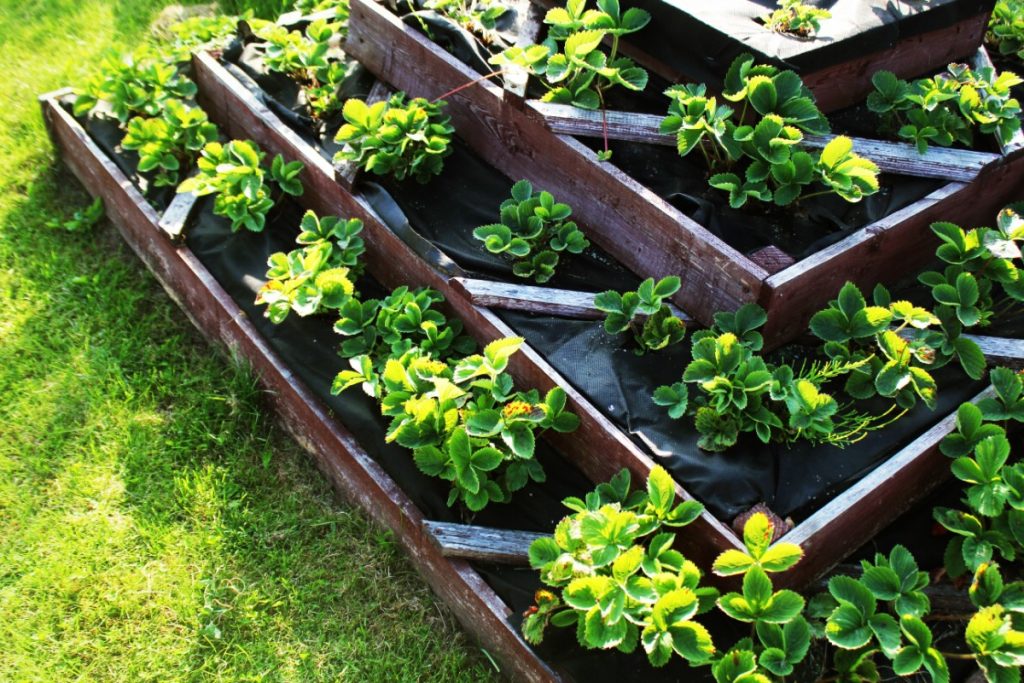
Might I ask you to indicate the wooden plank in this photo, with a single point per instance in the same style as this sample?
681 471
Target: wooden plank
892 157
176 215
640 229
841 526
482 544
598 448
349 468
1001 350
512 296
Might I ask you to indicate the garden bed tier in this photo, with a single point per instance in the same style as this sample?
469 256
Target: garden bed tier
599 448
338 455
641 229
696 40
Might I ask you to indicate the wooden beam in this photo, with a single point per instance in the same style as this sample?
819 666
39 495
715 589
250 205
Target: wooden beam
981 60
176 215
482 544
892 157
349 468
564 303
1001 350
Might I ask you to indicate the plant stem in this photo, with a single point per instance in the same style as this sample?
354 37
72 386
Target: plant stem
957 655
604 119
462 87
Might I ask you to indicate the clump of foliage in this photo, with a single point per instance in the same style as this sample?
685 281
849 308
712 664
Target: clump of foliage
403 320
311 6
533 231
234 173
794 17
397 138
464 421
169 144
1006 28
133 84
304 57
571 64
740 392
622 584
984 276
202 33
479 17
948 108
320 275
82 220
993 523
644 313
765 137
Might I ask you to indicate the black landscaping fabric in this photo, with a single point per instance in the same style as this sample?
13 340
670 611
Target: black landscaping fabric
700 39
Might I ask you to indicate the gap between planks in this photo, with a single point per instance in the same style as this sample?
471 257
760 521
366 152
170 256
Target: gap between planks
891 157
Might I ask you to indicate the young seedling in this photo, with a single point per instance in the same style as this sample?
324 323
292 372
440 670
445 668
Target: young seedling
644 313
1006 28
82 220
318 277
133 84
794 17
533 231
397 138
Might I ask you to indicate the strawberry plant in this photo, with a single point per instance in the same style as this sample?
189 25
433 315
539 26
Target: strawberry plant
1006 28
233 172
169 144
133 84
320 275
478 17
395 137
403 320
794 17
533 231
764 139
304 57
464 421
644 313
570 62
948 108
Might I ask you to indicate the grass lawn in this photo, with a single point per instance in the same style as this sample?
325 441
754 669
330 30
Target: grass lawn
154 523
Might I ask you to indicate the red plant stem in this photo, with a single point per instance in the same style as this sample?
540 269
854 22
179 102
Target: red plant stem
466 85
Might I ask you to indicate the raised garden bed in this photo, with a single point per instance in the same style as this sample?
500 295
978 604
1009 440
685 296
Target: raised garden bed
601 446
640 228
861 37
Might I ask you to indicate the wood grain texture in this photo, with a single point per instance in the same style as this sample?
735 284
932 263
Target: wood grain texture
349 468
598 448
482 544
564 303
629 221
891 157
